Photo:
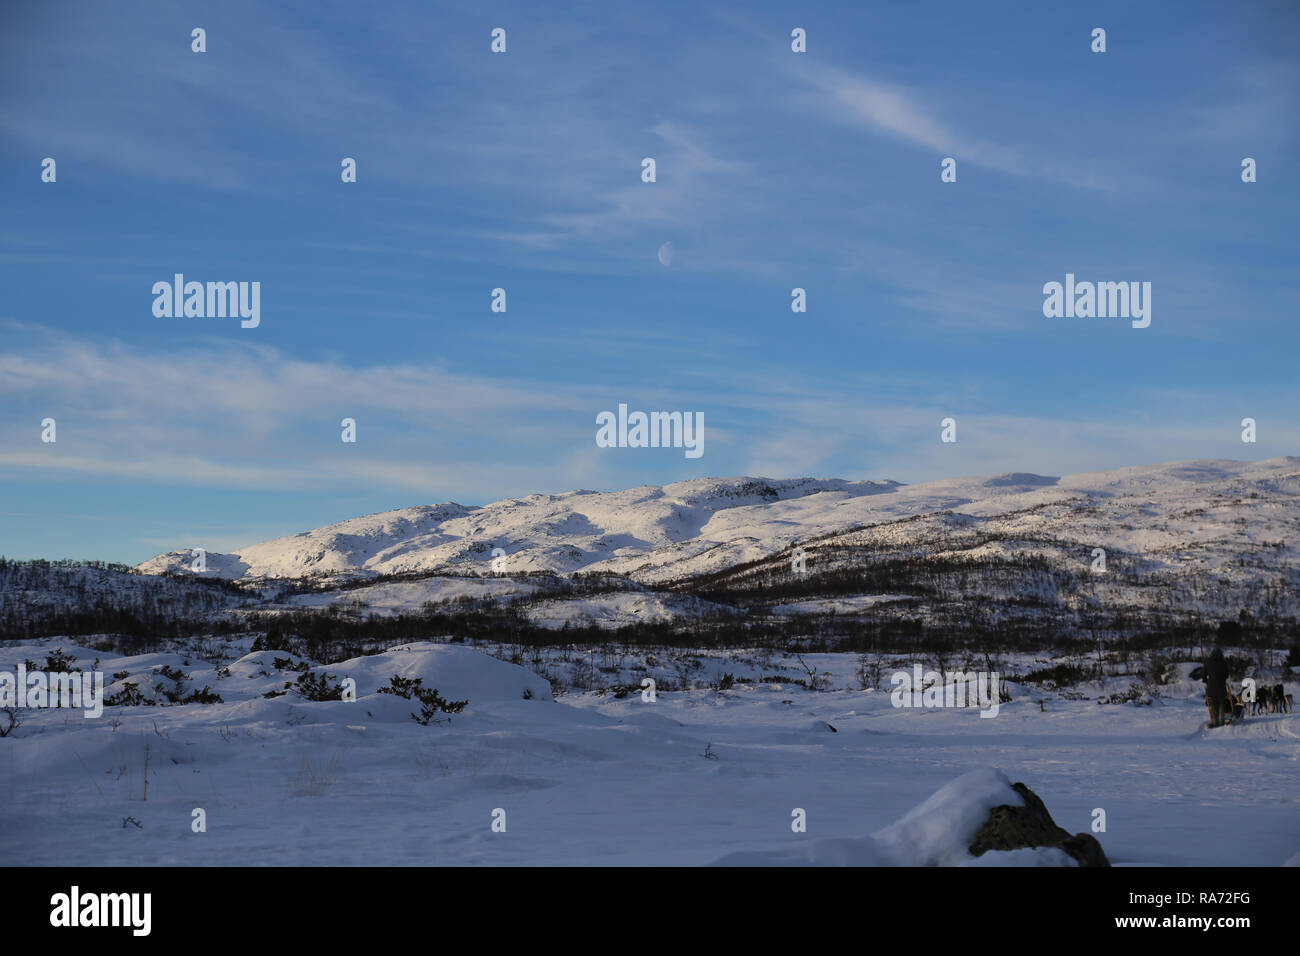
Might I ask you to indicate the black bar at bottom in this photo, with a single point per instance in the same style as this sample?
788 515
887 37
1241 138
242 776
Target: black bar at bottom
336 905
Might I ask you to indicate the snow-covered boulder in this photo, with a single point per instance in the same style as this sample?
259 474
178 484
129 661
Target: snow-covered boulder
1014 827
938 832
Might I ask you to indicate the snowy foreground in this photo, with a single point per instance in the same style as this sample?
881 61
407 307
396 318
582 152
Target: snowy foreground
696 777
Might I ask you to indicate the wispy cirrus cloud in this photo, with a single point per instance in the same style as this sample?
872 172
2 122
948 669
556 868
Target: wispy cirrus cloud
907 115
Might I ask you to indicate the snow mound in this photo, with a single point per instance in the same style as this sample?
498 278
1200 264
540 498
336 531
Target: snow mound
935 833
457 672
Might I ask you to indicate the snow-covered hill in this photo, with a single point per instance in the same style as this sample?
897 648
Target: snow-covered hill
1214 514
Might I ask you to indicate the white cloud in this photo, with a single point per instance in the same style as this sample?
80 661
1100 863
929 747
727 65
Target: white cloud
903 114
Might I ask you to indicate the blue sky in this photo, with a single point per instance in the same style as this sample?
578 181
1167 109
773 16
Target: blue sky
522 171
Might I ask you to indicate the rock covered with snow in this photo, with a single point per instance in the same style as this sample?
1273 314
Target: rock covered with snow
941 831
1029 824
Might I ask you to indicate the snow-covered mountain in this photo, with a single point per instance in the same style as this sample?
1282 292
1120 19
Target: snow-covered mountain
647 531
1213 516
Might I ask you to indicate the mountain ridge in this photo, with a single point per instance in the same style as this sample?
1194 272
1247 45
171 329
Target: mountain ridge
703 525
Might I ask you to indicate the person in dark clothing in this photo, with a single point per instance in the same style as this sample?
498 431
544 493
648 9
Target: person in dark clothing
1216 687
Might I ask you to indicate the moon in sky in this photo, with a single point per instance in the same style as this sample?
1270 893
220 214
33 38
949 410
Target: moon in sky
666 254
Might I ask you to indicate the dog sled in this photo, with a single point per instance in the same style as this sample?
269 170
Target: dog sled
1235 706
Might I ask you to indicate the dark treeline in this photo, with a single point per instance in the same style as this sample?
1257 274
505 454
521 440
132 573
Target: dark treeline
954 591
928 576
341 633
48 598
549 584
956 603
46 564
